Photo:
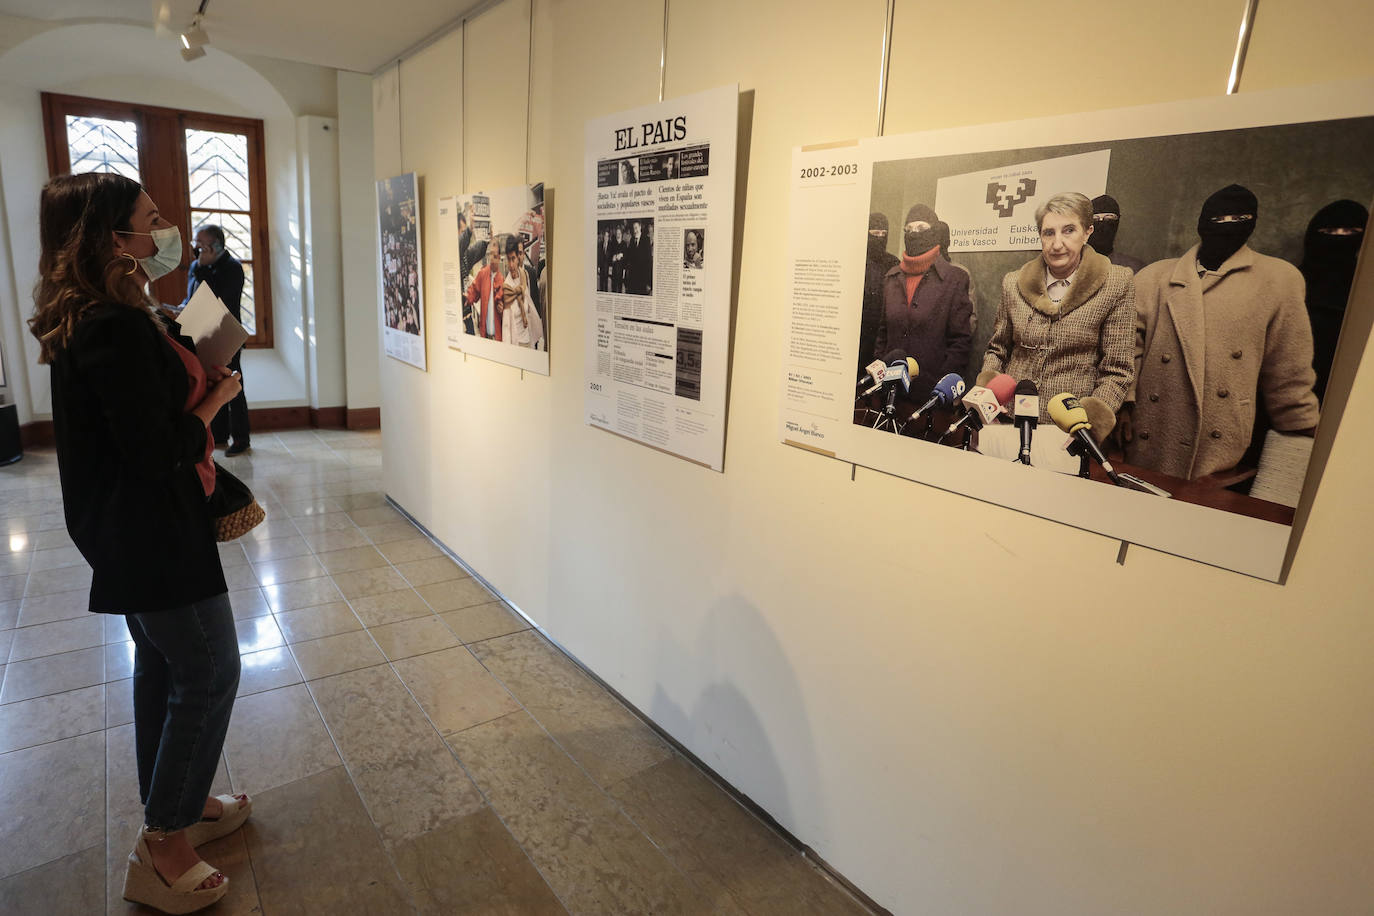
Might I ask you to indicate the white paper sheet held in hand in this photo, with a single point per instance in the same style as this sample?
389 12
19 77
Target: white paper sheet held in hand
207 322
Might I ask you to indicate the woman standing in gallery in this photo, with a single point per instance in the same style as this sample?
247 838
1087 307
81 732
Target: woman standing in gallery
522 324
1067 317
131 412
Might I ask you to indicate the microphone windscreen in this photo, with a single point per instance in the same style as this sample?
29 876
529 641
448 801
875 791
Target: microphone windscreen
1068 414
949 389
1099 415
912 368
1003 386
1027 398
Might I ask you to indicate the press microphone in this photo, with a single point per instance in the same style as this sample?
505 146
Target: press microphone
1070 416
874 373
899 371
1027 411
981 407
947 390
1003 386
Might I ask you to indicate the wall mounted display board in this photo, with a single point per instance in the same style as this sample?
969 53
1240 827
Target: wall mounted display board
660 227
403 296
494 250
1200 325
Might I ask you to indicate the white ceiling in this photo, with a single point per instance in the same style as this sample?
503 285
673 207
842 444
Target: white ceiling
360 35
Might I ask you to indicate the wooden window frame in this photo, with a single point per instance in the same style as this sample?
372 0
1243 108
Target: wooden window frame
165 128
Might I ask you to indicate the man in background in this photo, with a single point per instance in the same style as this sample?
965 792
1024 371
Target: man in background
215 266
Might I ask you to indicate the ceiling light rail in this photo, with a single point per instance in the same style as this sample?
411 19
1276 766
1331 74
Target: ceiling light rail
195 38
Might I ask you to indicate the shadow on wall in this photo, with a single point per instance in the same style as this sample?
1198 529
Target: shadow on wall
723 727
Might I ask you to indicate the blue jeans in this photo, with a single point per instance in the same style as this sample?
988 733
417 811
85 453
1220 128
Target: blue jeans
186 674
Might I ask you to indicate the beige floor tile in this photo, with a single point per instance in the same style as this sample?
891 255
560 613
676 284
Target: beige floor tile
404 772
590 853
725 850
458 593
277 548
413 637
52 581
9 613
291 596
53 796
274 526
267 670
414 548
391 531
39 677
119 660
6 643
119 703
314 850
454 690
484 621
336 539
73 884
275 738
473 865
351 559
317 622
116 628
231 554
55 537
50 718
321 505
365 582
389 607
56 558
38 609
331 655
249 602
292 569
376 515
240 577
12 587
15 564
258 633
601 734
431 570
333 521
364 500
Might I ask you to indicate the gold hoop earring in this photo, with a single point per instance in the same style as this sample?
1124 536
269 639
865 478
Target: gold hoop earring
134 269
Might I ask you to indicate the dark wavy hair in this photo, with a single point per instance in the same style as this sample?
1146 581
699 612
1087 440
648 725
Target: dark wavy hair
77 267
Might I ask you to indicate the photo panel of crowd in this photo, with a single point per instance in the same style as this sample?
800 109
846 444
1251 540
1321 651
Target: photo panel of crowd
503 262
1171 302
402 307
625 256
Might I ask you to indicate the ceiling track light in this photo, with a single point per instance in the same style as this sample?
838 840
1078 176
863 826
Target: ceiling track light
189 54
194 39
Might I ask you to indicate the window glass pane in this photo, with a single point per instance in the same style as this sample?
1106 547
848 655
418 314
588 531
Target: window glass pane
103 145
238 230
248 314
217 166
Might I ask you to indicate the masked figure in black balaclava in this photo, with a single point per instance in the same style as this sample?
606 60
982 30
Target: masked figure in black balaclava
1106 223
1221 331
879 262
1328 265
943 228
926 307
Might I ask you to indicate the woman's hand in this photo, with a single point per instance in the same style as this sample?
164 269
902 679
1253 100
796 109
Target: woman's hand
224 386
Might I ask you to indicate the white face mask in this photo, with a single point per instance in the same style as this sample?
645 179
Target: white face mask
167 258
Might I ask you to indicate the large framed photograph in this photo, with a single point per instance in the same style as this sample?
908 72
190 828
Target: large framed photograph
403 297
1150 299
497 286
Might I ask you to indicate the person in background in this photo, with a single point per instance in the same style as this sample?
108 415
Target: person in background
876 265
484 293
1106 222
926 307
523 326
604 252
1329 251
531 282
223 273
1067 317
943 228
132 407
464 259
692 257
1219 330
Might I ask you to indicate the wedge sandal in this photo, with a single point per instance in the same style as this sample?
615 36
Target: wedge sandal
230 819
142 884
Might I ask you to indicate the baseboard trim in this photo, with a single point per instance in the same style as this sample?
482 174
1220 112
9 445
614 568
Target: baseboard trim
39 433
743 800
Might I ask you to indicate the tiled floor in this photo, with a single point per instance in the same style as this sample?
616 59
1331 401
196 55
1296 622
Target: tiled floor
411 745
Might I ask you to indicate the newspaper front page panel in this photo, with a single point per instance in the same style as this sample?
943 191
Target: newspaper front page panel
403 304
661 189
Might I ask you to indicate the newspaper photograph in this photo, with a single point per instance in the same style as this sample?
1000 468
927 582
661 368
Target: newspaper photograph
403 302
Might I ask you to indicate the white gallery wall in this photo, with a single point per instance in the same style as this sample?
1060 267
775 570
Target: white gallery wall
306 366
1067 735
